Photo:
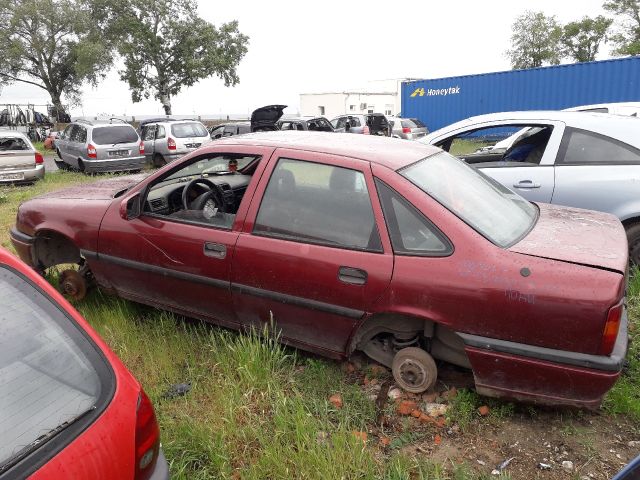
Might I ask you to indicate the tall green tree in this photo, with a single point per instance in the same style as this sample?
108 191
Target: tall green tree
53 45
166 47
627 37
581 40
535 41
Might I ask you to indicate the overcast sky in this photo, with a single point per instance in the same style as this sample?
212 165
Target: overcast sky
302 47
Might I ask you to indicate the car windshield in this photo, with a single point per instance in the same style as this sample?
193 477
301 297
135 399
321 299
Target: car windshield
211 166
114 135
184 130
495 212
46 380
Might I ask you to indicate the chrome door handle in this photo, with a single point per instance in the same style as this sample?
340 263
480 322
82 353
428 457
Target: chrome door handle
215 250
526 184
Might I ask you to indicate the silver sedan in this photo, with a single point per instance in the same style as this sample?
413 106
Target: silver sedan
19 160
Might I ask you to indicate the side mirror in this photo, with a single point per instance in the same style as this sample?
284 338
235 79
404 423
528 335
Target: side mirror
131 207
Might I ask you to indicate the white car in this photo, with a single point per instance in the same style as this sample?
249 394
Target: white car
577 159
19 160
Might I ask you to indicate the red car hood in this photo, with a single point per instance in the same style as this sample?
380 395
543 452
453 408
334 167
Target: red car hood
577 236
100 190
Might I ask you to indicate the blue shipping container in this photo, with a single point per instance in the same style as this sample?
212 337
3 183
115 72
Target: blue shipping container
442 101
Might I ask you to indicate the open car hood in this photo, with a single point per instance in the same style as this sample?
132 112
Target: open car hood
577 236
265 118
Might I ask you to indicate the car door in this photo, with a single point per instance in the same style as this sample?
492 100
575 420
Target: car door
310 257
173 263
518 154
63 142
148 135
597 172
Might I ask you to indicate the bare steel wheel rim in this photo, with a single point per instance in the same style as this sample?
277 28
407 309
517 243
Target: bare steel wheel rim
412 373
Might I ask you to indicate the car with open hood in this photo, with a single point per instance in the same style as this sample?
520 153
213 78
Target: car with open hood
265 119
69 408
396 249
576 159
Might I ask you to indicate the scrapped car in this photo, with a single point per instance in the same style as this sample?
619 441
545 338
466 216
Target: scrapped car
367 124
318 124
93 147
265 119
407 128
20 162
168 140
396 249
69 408
629 109
576 159
230 129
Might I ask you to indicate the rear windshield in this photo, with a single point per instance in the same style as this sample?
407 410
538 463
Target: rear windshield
46 378
13 143
113 135
412 123
183 130
492 210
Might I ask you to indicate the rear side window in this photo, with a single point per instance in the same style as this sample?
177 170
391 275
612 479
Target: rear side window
408 124
13 143
184 130
78 134
411 233
418 123
322 204
160 132
115 134
52 379
585 147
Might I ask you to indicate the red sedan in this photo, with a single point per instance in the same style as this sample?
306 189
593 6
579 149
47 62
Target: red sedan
350 243
68 407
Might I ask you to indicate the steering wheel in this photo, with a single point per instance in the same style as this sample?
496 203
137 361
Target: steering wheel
208 200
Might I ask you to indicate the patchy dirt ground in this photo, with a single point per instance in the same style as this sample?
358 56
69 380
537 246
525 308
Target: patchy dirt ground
452 426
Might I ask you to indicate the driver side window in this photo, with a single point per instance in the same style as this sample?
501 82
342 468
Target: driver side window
206 191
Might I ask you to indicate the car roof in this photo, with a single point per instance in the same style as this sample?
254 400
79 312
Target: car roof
626 129
12 133
392 153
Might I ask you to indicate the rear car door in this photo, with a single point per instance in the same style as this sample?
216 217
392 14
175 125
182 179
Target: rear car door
597 172
310 257
148 135
519 155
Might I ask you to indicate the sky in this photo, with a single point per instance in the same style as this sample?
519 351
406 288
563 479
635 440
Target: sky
306 47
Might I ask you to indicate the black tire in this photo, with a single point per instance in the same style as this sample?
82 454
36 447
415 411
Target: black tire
80 165
414 370
61 165
633 237
159 161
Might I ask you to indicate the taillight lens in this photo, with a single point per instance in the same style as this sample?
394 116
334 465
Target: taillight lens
365 130
141 148
147 438
39 158
92 152
611 327
171 143
406 130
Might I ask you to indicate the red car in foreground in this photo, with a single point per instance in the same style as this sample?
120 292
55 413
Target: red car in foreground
68 407
353 242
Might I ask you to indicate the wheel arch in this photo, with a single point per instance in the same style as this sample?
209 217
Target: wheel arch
54 248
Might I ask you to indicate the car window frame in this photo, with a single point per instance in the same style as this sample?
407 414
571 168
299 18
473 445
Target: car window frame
392 225
325 159
564 146
104 371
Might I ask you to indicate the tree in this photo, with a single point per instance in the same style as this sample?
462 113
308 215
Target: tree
53 45
535 41
627 38
581 39
166 46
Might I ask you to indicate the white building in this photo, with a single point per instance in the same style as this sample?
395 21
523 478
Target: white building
381 96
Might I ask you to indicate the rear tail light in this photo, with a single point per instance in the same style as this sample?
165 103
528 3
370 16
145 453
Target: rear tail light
365 130
406 130
141 148
611 327
39 158
92 152
171 143
147 438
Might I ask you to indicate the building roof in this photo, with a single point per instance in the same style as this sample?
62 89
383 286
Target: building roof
393 153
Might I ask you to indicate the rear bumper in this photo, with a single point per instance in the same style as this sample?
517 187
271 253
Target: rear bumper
544 375
23 244
28 174
114 165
